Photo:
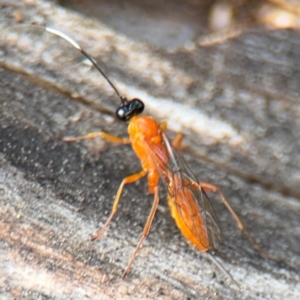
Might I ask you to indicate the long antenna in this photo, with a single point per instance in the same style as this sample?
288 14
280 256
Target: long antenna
76 45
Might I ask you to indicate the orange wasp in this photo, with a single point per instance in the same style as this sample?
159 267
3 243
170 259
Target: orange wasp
187 198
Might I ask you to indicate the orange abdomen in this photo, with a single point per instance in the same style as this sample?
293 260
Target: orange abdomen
188 219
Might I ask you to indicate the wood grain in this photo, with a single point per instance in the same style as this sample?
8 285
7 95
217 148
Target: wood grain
54 196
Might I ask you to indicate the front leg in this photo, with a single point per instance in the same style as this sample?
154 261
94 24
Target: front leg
103 135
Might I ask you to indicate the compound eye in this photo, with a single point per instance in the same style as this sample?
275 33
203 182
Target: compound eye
138 106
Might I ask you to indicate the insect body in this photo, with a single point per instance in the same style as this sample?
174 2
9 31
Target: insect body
187 198
190 208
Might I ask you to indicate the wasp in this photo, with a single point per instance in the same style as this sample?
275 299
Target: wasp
187 197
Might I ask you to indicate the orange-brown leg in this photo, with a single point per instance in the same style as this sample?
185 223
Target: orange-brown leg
214 189
163 126
129 179
177 142
103 135
146 229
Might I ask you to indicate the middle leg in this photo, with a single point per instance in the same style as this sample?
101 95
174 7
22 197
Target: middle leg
129 179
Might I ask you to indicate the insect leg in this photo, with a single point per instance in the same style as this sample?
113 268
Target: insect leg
146 229
163 126
214 189
129 179
103 135
177 141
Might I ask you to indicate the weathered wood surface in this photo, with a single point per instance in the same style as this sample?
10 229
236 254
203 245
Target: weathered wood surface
237 103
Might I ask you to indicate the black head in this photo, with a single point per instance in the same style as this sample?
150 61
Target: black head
129 109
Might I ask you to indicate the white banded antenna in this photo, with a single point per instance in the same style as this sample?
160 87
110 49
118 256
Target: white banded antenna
64 36
76 45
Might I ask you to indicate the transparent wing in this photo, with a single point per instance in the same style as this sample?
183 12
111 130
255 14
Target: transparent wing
189 204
